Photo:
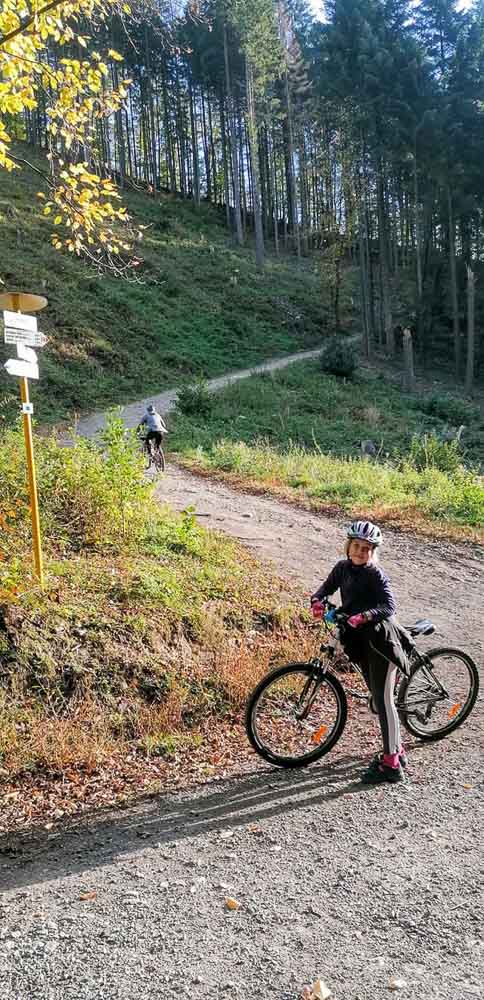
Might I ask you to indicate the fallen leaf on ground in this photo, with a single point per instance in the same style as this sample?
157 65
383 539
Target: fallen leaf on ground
231 903
467 785
85 896
319 991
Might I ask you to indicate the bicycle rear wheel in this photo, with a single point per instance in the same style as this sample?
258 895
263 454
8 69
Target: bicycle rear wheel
158 459
439 694
296 715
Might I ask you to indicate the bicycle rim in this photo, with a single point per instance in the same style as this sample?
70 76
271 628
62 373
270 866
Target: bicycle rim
159 460
296 715
440 694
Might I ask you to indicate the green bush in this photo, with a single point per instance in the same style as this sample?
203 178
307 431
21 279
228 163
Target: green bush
339 358
89 495
194 399
429 452
455 411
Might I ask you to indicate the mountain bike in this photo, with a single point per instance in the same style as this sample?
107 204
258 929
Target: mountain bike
298 712
155 457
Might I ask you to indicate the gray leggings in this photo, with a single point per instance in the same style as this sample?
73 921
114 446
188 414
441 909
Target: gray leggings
380 678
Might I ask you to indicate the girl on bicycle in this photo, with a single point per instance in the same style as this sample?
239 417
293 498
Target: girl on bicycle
372 639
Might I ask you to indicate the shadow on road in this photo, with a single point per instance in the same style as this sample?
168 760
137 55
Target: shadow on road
105 837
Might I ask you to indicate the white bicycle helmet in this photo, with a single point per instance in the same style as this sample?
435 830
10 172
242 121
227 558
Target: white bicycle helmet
365 531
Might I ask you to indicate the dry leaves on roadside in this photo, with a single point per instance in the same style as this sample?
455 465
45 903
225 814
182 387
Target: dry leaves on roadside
86 897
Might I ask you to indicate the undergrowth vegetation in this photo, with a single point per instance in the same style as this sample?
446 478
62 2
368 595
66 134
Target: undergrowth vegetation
301 430
149 625
198 304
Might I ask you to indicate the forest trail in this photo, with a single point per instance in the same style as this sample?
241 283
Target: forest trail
358 886
432 578
165 401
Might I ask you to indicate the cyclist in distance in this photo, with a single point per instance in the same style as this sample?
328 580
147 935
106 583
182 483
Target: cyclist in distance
155 425
373 639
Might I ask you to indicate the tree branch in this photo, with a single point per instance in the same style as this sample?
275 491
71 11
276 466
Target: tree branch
31 166
27 21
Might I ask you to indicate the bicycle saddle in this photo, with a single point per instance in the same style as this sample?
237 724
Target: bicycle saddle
422 627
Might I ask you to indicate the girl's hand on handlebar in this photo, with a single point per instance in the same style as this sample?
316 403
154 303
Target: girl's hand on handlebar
317 609
356 621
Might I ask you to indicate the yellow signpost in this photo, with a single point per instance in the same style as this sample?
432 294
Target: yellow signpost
23 302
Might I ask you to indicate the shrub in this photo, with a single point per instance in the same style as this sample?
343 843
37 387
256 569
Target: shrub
89 496
429 452
455 411
339 358
195 399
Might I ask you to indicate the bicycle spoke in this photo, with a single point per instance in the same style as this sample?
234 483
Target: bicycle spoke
295 715
438 694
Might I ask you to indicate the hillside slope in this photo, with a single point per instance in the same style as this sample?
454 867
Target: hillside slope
199 305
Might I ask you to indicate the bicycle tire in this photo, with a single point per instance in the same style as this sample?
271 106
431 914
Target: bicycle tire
158 459
279 760
439 734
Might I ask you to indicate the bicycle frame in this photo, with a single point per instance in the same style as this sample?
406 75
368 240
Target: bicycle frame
330 649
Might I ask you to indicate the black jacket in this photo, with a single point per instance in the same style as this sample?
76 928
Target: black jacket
362 588
366 588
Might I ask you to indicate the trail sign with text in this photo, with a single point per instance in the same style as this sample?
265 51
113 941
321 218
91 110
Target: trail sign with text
22 329
34 338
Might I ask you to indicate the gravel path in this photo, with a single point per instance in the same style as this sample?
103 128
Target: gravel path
355 886
165 401
440 580
358 887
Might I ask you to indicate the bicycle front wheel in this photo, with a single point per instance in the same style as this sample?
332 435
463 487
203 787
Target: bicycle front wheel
439 694
296 715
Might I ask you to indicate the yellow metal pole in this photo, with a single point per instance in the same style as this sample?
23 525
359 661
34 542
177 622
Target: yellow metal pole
34 502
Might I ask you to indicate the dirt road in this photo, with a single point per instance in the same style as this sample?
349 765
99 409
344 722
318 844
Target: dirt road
165 401
437 579
360 887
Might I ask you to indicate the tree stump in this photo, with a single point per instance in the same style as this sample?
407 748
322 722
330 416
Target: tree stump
409 372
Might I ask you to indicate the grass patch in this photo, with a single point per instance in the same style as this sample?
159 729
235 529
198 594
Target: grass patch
201 305
300 429
148 628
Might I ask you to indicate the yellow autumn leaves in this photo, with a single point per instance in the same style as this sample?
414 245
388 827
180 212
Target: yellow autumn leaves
77 94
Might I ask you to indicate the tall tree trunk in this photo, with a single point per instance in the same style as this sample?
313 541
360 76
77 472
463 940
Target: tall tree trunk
291 178
453 286
418 249
234 153
254 165
194 132
213 157
274 199
388 338
225 159
470 329
120 144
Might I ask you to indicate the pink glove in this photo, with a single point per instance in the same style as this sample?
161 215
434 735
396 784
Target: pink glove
317 609
357 620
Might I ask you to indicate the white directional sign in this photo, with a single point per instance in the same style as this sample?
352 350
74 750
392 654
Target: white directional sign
26 366
19 321
34 338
